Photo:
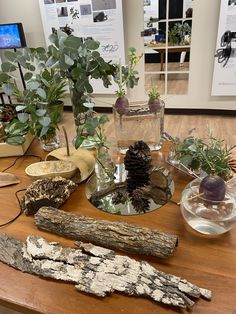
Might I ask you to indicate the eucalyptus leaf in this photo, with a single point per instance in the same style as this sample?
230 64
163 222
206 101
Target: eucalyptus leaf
43 131
8 67
41 112
20 107
45 121
92 44
68 60
32 85
10 55
8 88
23 117
4 77
28 76
41 93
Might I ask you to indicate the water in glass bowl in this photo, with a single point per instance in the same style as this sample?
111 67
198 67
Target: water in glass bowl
204 216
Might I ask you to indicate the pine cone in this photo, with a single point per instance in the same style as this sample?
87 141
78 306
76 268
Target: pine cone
139 201
138 164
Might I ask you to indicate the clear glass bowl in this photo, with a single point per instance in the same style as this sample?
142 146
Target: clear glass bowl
205 216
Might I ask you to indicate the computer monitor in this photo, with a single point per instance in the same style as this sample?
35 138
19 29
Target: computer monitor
12 36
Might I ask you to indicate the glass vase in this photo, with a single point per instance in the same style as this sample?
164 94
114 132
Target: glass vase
104 168
50 143
139 123
82 112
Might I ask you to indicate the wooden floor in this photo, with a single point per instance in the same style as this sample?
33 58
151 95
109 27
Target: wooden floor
177 84
223 127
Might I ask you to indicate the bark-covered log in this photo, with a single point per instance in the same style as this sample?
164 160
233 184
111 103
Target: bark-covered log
113 235
97 270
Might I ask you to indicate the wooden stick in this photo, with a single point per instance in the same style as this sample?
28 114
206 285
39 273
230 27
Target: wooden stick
98 271
192 197
114 235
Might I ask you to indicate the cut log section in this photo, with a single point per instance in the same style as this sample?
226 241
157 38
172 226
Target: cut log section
113 235
98 271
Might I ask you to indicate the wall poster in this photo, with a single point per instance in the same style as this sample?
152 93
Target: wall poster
100 19
224 75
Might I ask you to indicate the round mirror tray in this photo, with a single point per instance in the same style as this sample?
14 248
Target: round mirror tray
106 197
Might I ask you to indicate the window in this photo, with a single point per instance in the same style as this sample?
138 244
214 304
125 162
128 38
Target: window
167 39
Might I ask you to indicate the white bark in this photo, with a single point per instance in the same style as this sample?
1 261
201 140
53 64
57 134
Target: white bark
97 270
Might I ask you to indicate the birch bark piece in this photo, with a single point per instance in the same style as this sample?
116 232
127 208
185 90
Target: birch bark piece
98 271
113 235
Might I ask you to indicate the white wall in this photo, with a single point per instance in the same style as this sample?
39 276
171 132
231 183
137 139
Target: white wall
204 32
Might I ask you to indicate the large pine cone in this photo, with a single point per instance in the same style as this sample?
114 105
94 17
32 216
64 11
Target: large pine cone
46 192
138 164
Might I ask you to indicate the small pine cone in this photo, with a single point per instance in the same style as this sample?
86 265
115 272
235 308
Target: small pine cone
140 201
120 196
232 164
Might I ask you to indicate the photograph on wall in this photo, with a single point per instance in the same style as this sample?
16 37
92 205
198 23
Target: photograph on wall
99 17
224 75
62 11
85 9
103 5
48 1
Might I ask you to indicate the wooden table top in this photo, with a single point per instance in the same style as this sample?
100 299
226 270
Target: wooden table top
206 262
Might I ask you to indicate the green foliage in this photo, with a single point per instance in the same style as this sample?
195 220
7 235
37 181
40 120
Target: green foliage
44 87
210 155
126 76
176 35
93 128
79 61
153 94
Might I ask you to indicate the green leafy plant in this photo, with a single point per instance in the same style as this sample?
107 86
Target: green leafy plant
45 88
153 93
126 76
94 128
79 61
210 155
176 35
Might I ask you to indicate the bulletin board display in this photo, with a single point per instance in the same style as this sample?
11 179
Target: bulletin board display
224 75
99 19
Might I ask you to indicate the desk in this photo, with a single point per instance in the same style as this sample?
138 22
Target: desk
162 49
207 262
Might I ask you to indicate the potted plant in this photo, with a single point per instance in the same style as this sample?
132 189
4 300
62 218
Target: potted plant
45 88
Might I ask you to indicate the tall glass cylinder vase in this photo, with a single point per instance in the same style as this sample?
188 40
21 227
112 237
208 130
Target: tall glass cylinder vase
139 123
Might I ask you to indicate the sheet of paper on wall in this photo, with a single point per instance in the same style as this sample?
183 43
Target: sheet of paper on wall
224 75
99 19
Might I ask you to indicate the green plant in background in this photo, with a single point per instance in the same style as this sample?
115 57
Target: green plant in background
178 33
210 155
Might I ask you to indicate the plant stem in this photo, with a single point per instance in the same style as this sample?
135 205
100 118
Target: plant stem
67 142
